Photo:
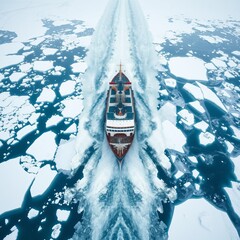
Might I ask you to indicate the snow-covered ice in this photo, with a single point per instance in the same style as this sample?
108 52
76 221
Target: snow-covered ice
170 82
211 96
65 152
186 117
32 213
190 68
47 95
79 67
201 125
194 90
73 107
67 88
17 76
234 195
49 51
11 187
10 60
53 121
43 66
62 215
206 138
198 218
42 181
47 142
197 106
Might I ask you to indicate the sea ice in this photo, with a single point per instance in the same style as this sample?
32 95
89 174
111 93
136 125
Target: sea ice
71 129
25 67
193 90
32 213
197 106
236 131
47 95
47 142
206 138
219 63
53 121
186 117
73 107
10 60
13 235
43 66
62 215
25 130
178 174
193 159
230 147
79 67
170 82
234 195
56 231
211 96
198 218
190 68
236 162
202 126
13 185
42 181
236 53
10 48
67 88
65 152
49 51
17 76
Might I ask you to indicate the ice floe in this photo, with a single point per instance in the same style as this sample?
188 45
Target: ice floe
13 185
193 159
211 96
43 66
42 181
170 82
13 235
53 121
25 67
190 68
236 53
71 129
47 142
10 60
56 230
219 63
32 213
230 147
47 95
62 215
73 107
198 218
17 76
234 195
206 138
186 117
236 131
194 90
10 48
202 126
65 152
79 67
236 162
197 106
25 130
49 51
67 88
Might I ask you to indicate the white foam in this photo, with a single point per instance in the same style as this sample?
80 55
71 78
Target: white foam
47 142
42 181
43 66
179 66
11 187
198 218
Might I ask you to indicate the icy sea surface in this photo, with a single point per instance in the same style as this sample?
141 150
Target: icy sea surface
180 178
